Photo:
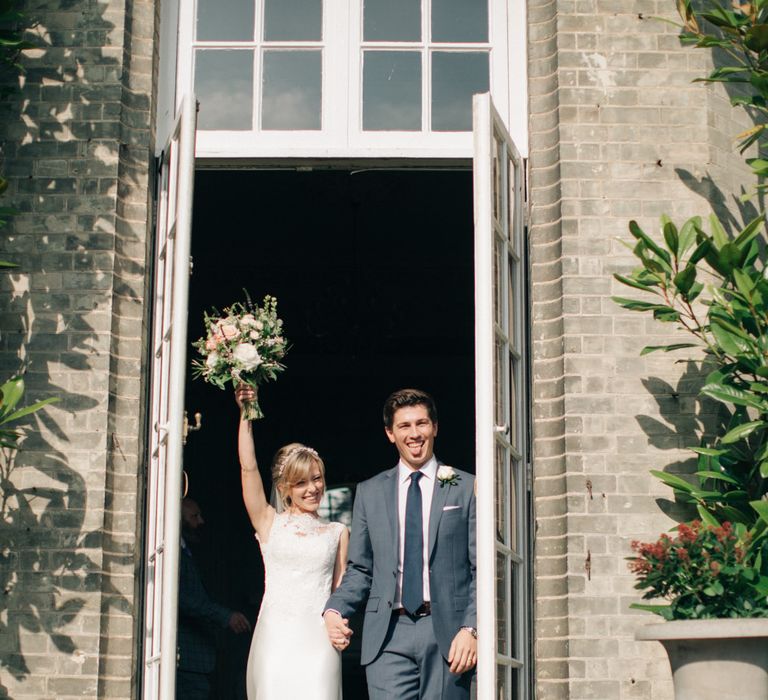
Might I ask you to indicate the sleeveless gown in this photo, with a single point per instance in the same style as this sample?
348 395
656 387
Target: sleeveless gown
290 655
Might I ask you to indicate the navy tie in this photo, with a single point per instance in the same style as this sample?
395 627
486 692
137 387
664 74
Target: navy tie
413 555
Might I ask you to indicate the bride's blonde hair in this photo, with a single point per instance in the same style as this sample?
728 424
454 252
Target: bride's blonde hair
294 463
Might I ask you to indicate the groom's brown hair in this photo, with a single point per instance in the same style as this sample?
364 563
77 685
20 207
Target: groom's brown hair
408 397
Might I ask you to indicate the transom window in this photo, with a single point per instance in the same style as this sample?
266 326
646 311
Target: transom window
332 77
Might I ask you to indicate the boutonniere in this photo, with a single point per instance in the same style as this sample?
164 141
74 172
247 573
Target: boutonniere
447 475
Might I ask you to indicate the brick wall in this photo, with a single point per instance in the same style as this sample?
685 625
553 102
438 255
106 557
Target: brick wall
618 131
76 149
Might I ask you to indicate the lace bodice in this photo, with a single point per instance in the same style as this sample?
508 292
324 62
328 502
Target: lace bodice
299 557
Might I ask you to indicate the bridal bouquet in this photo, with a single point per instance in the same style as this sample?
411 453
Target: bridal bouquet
242 344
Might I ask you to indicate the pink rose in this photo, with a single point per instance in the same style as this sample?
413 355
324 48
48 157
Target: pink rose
228 330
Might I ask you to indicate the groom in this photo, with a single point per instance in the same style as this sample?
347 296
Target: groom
412 562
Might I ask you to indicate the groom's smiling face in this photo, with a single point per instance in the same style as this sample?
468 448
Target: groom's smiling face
413 433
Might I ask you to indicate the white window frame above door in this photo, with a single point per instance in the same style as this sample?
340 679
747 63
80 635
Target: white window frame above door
342 136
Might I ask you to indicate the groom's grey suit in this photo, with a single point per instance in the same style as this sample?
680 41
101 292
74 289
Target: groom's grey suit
371 574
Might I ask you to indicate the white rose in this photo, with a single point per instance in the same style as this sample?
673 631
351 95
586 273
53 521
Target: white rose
248 321
247 355
446 473
212 360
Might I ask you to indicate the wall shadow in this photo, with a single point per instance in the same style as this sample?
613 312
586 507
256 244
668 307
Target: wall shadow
60 152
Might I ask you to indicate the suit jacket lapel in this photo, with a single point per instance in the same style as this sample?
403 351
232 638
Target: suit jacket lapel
439 498
390 501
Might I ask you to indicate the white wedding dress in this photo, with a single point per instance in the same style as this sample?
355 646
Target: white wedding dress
291 656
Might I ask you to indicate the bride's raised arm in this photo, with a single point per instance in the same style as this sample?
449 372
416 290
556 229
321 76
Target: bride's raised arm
259 510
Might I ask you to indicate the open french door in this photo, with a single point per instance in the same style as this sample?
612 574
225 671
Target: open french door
168 363
500 398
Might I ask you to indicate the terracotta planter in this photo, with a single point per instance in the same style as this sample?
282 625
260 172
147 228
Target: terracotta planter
715 659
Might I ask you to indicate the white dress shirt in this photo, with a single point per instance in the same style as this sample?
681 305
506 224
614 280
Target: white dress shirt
427 486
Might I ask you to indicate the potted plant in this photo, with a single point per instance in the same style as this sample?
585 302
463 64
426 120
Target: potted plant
713 285
713 580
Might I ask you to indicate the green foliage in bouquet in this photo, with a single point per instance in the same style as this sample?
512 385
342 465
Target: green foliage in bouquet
703 572
243 344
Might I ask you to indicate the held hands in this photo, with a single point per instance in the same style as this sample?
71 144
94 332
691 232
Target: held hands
238 623
462 655
338 629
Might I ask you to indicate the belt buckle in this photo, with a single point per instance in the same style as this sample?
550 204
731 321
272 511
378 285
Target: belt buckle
423 611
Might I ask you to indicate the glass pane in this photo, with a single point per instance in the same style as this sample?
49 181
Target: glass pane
459 20
498 290
501 495
292 91
392 20
511 496
512 178
392 91
502 604
498 380
503 686
514 368
225 20
293 20
513 571
455 78
511 318
497 155
224 87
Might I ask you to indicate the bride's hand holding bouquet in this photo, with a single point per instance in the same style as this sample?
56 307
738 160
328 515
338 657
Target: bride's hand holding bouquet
244 344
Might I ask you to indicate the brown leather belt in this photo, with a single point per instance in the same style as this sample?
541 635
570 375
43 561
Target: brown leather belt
423 611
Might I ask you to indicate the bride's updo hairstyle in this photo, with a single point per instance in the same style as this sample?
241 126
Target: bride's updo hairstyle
293 463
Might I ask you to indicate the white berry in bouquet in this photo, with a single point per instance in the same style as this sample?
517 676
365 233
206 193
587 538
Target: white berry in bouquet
244 344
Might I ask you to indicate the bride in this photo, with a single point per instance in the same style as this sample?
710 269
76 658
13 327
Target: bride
304 560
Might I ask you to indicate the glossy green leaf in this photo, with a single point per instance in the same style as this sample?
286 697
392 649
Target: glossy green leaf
708 451
730 394
719 236
717 476
637 305
701 250
706 516
666 348
676 482
742 431
671 236
750 231
630 282
687 237
638 233
685 278
10 394
761 508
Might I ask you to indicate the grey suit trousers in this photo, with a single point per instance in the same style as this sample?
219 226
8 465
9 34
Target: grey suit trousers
411 667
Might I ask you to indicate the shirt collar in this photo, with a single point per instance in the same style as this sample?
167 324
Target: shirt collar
429 470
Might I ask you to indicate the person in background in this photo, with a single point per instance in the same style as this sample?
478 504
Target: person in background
199 616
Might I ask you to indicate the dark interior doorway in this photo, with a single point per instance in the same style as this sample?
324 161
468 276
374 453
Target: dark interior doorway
373 271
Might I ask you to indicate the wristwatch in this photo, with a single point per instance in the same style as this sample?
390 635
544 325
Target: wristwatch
471 630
